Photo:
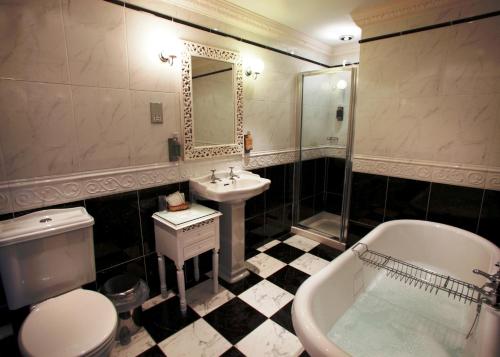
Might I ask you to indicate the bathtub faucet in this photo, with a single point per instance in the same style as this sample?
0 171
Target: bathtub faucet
490 292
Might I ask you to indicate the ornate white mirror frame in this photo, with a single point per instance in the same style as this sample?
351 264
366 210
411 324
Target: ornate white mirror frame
191 151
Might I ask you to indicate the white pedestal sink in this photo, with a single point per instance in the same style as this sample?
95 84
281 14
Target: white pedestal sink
231 195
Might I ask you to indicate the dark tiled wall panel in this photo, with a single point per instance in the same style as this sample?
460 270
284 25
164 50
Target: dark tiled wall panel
489 223
368 193
269 215
117 231
406 199
454 205
376 199
321 187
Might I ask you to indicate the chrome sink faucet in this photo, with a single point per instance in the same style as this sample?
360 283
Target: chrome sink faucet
213 178
232 175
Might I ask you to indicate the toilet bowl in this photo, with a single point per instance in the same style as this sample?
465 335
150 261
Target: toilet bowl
78 323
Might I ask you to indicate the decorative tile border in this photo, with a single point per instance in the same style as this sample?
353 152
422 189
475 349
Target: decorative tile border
21 195
460 175
36 193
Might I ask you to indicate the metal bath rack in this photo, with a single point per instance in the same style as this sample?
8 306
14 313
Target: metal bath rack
417 276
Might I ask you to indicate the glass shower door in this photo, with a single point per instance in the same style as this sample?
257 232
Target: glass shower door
325 141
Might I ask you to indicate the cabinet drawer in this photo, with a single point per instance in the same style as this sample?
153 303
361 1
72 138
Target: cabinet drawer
197 233
198 248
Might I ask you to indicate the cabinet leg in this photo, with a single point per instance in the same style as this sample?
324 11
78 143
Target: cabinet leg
163 279
215 270
196 268
182 288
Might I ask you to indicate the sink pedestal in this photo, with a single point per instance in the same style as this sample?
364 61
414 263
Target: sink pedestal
232 241
231 193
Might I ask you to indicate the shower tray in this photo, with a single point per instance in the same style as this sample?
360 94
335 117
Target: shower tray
324 222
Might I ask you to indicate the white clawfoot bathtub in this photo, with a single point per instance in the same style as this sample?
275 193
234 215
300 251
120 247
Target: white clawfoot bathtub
323 298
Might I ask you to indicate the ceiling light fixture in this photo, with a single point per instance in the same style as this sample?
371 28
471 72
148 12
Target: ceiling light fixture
346 37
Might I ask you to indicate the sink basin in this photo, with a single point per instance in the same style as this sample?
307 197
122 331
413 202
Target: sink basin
231 195
241 189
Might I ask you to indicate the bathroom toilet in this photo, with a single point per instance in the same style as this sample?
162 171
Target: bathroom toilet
45 259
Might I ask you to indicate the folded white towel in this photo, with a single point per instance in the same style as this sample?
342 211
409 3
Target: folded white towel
176 199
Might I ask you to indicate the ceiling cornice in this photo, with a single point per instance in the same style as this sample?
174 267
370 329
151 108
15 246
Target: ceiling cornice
238 17
394 9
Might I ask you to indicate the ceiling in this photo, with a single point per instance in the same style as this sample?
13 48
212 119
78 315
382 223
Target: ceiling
324 20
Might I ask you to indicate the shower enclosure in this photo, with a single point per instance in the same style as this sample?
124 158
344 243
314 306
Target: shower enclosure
322 177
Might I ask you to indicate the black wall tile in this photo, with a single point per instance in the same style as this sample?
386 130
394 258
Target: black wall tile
117 235
333 203
153 276
455 205
320 176
368 198
256 205
306 208
3 217
319 202
148 204
275 223
406 199
336 172
255 231
134 267
489 222
275 195
288 215
308 169
356 231
289 177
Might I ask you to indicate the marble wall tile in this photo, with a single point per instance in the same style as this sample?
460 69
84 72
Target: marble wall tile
423 56
95 36
493 146
147 35
438 98
459 130
381 77
32 37
473 61
272 124
38 129
103 120
149 141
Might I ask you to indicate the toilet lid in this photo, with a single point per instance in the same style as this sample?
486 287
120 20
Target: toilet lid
71 324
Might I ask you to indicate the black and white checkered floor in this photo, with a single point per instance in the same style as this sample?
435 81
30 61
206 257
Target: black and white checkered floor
248 318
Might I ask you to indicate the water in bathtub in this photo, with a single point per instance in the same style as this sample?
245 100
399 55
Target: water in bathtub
391 318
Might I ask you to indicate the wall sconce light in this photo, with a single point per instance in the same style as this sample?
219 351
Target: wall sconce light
254 67
169 53
168 58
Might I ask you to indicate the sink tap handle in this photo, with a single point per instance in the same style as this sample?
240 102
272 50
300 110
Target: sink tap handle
213 179
232 175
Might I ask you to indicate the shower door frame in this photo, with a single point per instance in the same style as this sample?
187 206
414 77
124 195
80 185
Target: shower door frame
316 234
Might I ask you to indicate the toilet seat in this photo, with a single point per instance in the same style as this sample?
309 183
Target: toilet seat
78 323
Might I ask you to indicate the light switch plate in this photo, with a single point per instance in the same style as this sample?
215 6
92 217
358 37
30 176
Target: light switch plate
156 110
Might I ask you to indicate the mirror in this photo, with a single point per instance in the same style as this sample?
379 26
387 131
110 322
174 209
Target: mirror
213 102
212 86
